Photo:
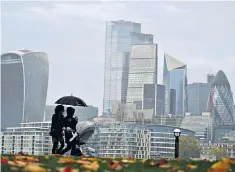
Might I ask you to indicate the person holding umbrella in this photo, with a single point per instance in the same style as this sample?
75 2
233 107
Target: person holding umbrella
69 128
57 129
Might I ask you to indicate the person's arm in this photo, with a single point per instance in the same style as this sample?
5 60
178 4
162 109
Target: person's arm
64 125
53 123
75 121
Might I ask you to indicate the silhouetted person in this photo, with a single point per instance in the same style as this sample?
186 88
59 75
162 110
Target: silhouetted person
56 129
71 122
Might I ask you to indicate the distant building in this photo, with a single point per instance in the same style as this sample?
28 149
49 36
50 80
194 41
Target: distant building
172 101
169 120
149 97
221 103
210 78
24 81
197 97
121 140
142 70
120 36
221 106
133 140
31 138
160 100
129 113
228 146
175 77
201 124
163 140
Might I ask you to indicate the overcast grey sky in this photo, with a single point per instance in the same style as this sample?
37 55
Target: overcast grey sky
200 34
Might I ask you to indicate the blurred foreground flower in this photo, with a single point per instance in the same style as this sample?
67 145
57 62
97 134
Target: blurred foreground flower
67 169
115 165
34 168
26 158
191 166
222 166
94 166
66 160
17 163
4 160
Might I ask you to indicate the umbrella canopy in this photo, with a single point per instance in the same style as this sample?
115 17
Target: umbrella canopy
71 100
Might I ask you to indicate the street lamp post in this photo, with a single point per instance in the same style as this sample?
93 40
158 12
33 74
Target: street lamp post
177 133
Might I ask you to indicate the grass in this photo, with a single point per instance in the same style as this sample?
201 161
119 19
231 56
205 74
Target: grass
69 164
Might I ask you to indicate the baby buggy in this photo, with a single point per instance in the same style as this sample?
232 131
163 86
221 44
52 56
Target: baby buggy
80 137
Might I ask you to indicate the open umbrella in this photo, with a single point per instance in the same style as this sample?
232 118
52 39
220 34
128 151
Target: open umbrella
71 100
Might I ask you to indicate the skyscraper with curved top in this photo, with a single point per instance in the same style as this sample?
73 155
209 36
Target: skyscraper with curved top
220 101
24 82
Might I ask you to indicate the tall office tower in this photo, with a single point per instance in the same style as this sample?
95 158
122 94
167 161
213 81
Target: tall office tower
24 81
142 70
210 78
120 36
150 94
175 77
197 97
172 101
160 99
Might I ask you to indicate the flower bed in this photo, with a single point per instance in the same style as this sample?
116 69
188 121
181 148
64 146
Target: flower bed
69 164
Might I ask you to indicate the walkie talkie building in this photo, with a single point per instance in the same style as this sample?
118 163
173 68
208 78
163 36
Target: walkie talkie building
24 82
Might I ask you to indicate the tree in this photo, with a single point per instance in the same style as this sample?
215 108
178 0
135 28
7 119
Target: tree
188 147
219 152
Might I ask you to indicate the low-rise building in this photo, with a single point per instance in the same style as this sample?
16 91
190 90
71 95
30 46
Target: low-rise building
31 138
169 120
135 140
228 146
121 140
163 140
201 124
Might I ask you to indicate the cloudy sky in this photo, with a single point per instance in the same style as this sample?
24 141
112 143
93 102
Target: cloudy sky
200 34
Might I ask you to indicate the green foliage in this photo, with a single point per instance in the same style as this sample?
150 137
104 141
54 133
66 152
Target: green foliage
219 152
188 147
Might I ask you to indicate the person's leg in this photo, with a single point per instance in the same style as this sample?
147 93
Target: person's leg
73 148
55 146
77 152
61 146
68 147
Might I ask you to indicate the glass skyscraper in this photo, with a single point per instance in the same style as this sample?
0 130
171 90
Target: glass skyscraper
142 70
220 102
120 36
175 77
197 97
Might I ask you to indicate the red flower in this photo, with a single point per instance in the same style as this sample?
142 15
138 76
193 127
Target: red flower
4 161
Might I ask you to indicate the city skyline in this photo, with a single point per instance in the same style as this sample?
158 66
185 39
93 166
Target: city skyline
58 29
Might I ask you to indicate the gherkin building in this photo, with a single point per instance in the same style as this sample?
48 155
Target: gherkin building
220 101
